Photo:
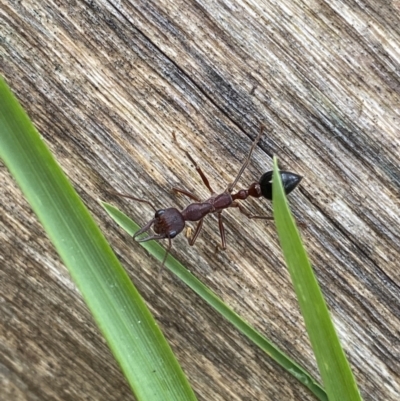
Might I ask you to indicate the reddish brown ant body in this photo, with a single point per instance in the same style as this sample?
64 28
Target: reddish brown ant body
168 223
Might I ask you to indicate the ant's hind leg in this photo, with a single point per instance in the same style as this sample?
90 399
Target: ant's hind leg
249 215
186 193
246 161
300 223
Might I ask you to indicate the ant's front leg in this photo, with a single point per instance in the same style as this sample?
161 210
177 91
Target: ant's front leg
132 197
249 215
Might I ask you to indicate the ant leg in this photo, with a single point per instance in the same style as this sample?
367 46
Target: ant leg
196 233
221 231
202 175
198 169
300 223
161 269
166 252
186 193
132 197
249 215
246 161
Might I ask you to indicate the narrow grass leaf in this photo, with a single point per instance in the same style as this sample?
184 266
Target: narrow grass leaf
334 368
130 330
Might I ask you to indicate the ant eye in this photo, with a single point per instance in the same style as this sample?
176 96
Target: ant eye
173 234
159 212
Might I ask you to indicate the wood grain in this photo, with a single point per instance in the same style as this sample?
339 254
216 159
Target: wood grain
108 83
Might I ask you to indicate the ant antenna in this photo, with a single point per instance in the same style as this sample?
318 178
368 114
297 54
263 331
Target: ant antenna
133 198
247 160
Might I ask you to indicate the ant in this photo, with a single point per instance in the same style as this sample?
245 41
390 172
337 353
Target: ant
168 223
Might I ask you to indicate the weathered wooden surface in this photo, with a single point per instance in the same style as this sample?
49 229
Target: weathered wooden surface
108 82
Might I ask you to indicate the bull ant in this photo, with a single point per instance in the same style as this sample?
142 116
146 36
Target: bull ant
168 223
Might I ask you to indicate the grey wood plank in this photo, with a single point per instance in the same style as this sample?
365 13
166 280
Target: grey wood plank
109 83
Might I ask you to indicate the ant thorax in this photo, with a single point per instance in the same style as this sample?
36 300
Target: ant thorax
196 211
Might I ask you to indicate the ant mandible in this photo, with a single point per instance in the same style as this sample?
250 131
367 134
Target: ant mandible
168 223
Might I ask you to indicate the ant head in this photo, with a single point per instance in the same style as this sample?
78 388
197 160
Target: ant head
289 182
167 223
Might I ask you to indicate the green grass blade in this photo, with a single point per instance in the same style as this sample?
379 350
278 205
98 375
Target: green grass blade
333 365
155 249
131 332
